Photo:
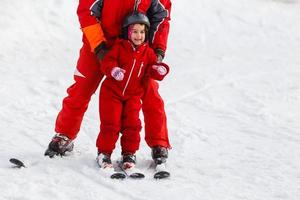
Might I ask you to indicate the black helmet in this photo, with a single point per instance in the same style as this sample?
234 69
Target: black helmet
136 18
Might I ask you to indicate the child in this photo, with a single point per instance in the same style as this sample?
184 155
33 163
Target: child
126 66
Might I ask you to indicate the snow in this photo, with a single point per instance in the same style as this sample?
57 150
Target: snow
232 101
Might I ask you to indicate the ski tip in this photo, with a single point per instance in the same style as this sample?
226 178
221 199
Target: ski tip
137 175
118 176
162 175
17 162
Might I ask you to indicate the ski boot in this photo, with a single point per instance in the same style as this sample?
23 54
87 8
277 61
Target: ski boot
128 166
59 145
104 161
159 155
128 161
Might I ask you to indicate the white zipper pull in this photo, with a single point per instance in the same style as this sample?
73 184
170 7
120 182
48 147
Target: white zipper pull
129 77
141 67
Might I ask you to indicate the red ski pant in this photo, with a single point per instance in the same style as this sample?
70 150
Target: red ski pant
87 80
119 115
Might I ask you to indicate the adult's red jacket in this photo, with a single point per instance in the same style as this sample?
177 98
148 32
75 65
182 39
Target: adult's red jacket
99 24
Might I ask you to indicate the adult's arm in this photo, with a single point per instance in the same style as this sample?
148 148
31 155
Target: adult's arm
90 27
159 16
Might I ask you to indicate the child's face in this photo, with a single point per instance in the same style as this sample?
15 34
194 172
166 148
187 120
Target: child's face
137 34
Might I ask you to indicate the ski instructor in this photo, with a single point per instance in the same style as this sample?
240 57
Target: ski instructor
101 22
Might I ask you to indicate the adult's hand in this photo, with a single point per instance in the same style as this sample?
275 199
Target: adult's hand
101 50
160 54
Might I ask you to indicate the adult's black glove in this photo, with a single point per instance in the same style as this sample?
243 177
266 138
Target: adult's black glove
101 50
160 55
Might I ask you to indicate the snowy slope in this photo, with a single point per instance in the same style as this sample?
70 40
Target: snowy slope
232 100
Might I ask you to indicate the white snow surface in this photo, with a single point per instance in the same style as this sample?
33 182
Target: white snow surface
232 101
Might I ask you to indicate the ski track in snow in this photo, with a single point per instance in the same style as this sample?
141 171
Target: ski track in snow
232 100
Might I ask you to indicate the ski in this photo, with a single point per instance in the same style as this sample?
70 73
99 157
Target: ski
132 173
106 172
161 175
17 162
118 175
161 171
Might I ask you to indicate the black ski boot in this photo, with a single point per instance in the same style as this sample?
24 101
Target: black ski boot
104 161
59 145
127 165
159 155
128 161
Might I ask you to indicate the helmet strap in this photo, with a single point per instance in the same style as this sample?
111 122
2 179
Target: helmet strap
136 4
129 31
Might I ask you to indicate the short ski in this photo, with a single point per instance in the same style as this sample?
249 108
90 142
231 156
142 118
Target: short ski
132 173
118 175
161 174
17 162
161 171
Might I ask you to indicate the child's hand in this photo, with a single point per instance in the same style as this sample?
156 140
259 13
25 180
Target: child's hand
158 71
118 73
161 70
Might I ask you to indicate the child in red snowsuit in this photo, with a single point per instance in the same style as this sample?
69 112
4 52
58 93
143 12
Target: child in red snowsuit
126 65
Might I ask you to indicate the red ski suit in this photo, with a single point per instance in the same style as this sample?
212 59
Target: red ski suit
120 101
101 21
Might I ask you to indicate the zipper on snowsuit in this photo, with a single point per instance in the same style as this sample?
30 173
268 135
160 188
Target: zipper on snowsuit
129 77
141 67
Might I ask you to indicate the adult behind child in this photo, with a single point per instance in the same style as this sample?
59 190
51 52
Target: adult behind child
100 30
